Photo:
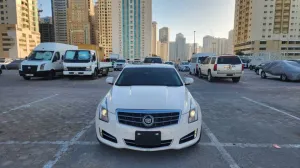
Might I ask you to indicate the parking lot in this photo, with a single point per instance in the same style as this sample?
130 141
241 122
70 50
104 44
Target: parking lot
254 123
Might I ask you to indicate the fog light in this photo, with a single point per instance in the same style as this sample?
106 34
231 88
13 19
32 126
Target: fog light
195 133
100 132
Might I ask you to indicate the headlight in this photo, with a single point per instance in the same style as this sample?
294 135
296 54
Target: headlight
42 67
65 69
103 114
89 68
193 115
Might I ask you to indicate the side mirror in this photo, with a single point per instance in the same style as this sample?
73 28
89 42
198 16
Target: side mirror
94 58
188 81
110 80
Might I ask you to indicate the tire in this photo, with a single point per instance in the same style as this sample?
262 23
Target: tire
210 77
200 74
94 75
26 78
251 68
105 73
257 72
236 80
71 77
190 72
51 75
263 75
283 77
0 71
3 67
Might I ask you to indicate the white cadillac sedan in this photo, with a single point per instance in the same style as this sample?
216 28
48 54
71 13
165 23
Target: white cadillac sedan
149 108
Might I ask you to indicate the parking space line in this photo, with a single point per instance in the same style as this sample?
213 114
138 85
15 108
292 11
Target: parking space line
220 148
65 147
28 104
249 145
273 108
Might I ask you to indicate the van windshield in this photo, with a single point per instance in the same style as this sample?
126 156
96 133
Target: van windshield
41 55
77 56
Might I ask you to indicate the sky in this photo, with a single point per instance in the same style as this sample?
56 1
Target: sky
206 17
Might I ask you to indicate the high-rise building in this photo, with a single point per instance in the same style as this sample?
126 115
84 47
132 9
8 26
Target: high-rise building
154 39
164 51
180 47
189 50
164 37
92 20
164 34
103 25
230 42
46 29
78 24
267 26
172 51
59 16
19 28
208 44
131 28
215 45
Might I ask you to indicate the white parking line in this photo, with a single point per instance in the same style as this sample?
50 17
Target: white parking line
65 147
249 145
28 104
220 148
273 108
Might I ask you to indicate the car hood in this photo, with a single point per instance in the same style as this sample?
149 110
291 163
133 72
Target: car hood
148 97
28 62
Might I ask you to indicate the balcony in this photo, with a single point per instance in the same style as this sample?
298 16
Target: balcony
277 20
277 26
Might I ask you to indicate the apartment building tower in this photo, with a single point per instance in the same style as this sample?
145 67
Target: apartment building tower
131 28
154 45
19 28
46 29
164 38
78 22
59 16
181 47
103 25
267 26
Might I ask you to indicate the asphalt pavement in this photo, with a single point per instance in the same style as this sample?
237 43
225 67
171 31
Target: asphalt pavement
251 124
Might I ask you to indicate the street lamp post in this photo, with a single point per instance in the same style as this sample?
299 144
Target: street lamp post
194 42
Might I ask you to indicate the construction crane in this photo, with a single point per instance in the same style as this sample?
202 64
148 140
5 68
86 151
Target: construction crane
40 10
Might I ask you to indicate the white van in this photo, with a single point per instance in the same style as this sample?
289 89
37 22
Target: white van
196 60
45 61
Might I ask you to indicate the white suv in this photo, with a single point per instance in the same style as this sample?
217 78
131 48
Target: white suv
149 108
224 66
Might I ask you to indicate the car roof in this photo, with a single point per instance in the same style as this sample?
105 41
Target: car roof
148 66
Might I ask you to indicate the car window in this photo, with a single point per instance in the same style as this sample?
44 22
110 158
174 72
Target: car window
213 60
153 60
201 59
121 61
229 60
149 76
194 60
205 61
57 55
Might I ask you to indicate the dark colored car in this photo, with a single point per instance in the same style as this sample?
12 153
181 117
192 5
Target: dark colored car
15 64
0 71
150 60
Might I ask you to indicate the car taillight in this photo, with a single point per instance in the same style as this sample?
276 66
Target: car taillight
215 67
243 67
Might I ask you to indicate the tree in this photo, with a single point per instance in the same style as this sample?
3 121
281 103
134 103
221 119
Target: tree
239 53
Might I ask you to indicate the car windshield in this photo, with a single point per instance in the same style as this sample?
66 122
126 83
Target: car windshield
169 63
153 60
77 56
41 55
121 61
229 60
149 77
185 63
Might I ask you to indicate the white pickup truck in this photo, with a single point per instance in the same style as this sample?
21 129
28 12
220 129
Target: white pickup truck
84 63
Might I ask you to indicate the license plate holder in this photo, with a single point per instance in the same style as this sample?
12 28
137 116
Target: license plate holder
28 74
147 138
230 74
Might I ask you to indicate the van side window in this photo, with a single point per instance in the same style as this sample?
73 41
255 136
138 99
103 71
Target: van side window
213 60
194 60
57 55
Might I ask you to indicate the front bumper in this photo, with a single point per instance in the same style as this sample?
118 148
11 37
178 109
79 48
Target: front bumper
78 73
34 74
123 132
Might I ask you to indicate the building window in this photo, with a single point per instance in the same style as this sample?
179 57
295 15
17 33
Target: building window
262 48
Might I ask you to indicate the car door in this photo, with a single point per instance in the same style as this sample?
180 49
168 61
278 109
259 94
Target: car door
202 66
57 62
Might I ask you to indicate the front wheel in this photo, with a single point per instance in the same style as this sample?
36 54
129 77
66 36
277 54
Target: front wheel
263 75
257 72
200 74
51 75
2 67
283 77
210 78
94 75
236 80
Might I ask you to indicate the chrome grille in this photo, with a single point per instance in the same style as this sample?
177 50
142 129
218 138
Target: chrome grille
76 68
160 119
